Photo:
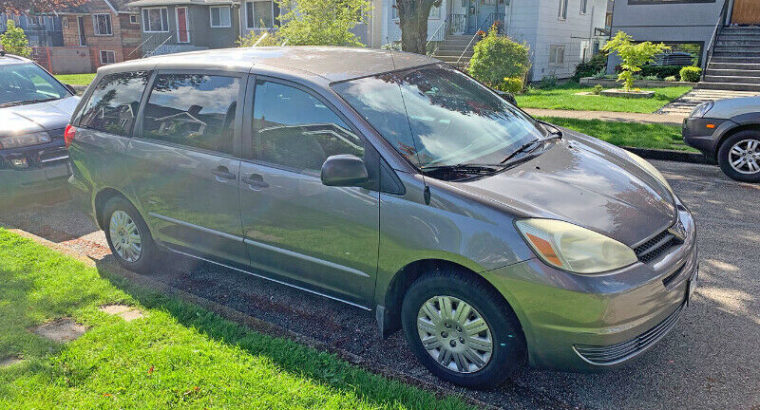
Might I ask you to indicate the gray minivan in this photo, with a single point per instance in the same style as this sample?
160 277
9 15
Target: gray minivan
395 184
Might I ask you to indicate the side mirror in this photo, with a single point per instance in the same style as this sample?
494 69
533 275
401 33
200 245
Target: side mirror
344 170
508 97
71 88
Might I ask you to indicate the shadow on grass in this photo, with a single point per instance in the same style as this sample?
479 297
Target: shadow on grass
289 355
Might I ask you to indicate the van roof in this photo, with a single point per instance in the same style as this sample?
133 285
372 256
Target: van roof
332 64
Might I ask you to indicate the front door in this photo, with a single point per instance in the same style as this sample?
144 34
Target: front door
746 12
183 33
324 238
185 168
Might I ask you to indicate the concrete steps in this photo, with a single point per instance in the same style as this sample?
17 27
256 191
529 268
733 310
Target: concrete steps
454 46
735 62
686 103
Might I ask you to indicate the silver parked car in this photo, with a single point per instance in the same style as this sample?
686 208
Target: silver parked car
395 184
34 111
728 132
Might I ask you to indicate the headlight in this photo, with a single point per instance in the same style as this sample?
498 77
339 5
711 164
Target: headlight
24 140
651 170
573 248
701 109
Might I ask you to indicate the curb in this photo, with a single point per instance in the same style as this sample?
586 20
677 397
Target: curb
669 155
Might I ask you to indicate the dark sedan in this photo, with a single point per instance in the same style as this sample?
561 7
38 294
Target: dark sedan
34 111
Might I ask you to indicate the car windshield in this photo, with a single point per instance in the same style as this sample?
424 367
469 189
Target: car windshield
436 116
28 84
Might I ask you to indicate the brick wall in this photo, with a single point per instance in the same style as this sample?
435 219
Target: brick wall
124 40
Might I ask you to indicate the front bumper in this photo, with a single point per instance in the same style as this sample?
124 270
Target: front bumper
45 168
697 134
582 322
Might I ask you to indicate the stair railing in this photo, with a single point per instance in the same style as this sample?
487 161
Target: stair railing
461 56
485 26
716 32
431 37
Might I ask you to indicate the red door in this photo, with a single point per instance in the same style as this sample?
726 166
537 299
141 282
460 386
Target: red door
183 35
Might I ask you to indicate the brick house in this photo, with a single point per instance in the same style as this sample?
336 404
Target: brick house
97 33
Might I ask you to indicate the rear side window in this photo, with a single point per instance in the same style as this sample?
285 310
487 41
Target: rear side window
113 105
294 129
195 110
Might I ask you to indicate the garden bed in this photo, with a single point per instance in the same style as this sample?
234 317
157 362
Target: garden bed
609 83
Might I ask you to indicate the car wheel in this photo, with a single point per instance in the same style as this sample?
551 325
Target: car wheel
462 331
739 156
128 236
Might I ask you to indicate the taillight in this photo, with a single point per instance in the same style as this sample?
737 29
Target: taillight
69 134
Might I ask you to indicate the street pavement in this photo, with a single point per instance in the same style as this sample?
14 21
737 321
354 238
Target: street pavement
711 359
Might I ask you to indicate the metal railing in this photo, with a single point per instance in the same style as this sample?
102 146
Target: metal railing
431 37
484 26
716 32
457 23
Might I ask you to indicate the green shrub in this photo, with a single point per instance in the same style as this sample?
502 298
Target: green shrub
14 40
597 89
496 57
260 40
512 85
661 71
549 81
652 78
598 63
634 55
671 78
691 74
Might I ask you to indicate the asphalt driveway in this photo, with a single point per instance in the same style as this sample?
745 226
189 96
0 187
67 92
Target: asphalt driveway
711 359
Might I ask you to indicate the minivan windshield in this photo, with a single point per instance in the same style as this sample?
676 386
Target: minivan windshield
28 84
436 116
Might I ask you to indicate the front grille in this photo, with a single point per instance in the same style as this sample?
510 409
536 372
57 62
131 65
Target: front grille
613 354
653 248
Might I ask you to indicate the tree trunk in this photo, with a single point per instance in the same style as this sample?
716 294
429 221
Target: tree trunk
413 18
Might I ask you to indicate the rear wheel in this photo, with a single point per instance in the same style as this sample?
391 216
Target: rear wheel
462 331
739 156
128 235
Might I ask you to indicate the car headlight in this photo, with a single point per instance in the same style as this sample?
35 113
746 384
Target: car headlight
702 109
575 249
651 170
24 140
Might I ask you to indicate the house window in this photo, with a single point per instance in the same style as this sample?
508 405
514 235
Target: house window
556 55
102 24
259 14
133 19
107 57
562 9
584 6
220 17
155 20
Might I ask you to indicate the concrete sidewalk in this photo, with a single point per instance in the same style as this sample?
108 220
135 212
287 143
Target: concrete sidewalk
669 119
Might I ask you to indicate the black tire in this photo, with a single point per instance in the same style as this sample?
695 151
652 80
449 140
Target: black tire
725 150
149 251
509 349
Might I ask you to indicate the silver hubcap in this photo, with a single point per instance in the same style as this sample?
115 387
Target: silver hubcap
455 334
125 236
745 157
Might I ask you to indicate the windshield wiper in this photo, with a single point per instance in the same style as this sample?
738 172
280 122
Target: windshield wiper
523 148
468 168
27 102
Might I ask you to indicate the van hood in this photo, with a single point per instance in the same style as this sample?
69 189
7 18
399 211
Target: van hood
25 119
586 182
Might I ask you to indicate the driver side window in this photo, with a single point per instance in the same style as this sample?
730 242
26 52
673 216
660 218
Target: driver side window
293 129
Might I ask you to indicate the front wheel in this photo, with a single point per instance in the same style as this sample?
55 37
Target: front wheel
128 236
739 156
462 331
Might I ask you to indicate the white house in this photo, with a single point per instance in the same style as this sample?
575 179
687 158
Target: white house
560 33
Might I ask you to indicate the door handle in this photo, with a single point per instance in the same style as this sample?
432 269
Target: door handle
223 173
256 181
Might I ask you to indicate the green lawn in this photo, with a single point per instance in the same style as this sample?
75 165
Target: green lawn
177 355
76 79
628 134
563 98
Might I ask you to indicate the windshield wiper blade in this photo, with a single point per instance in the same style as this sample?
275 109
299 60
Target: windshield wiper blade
470 168
523 148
